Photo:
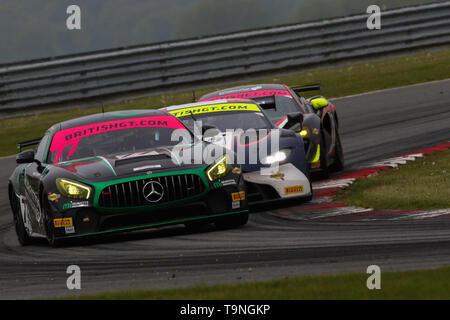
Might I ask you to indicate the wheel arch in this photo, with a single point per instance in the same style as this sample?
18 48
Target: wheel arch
11 192
336 118
326 123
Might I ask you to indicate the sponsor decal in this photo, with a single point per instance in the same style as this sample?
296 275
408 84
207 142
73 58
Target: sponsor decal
25 214
235 204
33 202
236 90
293 190
62 222
252 94
315 131
215 108
237 170
228 182
315 165
217 184
278 176
72 136
53 197
69 230
80 204
236 196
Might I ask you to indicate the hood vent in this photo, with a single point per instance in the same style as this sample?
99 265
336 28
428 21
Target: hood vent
161 156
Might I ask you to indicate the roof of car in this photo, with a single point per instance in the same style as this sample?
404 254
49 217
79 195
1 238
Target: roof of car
240 89
107 116
206 103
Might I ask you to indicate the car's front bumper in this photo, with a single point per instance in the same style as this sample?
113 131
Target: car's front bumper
285 183
215 202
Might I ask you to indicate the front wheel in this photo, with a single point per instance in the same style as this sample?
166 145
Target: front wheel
232 221
324 170
338 164
48 222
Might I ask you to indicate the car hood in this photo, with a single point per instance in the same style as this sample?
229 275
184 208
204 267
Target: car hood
251 148
111 167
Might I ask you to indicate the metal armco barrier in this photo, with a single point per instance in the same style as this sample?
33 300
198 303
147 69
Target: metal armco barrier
62 80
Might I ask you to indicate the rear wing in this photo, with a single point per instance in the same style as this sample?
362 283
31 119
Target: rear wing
311 87
28 143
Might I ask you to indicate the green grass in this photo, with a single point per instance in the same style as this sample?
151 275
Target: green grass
336 82
426 284
421 184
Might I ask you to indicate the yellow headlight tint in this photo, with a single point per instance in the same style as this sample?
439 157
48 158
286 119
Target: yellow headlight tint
218 169
221 168
73 189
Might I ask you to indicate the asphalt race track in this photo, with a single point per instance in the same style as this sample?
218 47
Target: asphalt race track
373 126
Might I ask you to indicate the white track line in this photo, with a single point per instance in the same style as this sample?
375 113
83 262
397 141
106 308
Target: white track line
389 89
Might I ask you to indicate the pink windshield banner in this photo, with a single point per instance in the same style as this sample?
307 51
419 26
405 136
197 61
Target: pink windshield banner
252 94
72 136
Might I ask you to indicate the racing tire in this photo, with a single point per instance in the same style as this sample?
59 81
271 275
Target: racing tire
232 221
338 163
22 235
48 222
324 169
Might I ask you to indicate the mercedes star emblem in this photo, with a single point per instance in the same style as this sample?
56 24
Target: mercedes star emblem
153 191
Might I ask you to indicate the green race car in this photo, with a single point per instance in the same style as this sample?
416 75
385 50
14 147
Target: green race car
120 171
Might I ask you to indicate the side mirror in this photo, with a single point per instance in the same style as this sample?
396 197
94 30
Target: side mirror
319 103
26 156
295 121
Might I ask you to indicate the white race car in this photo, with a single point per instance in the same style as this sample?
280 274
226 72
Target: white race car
272 160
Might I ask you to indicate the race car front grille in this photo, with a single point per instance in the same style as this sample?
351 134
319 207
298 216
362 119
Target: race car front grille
131 194
260 192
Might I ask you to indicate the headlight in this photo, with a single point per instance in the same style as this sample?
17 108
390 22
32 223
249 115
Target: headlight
219 169
73 189
304 132
279 156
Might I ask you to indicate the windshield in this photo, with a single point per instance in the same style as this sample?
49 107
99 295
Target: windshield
235 120
277 107
105 138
